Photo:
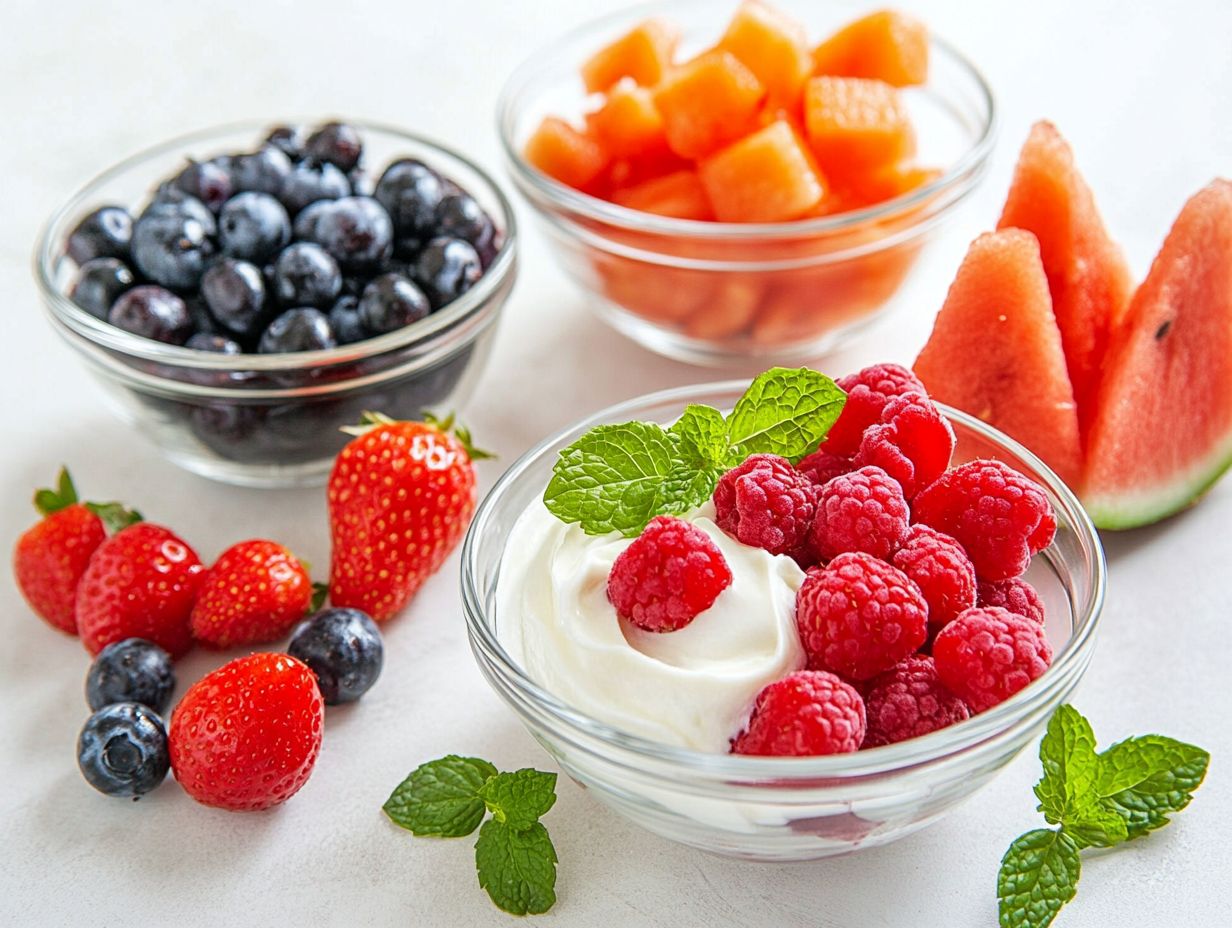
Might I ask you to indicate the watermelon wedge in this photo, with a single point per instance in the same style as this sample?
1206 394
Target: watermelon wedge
1087 274
995 350
1161 434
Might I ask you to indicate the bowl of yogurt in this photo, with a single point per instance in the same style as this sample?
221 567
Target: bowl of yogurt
644 720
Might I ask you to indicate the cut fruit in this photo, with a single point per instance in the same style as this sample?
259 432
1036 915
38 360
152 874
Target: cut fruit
765 177
1087 274
773 46
856 126
708 102
679 195
643 54
995 351
885 46
886 184
629 124
562 152
1162 432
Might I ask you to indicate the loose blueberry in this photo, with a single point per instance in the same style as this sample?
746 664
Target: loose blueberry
105 233
300 329
390 302
235 293
343 648
217 344
345 320
152 312
171 248
459 216
446 269
122 750
170 200
306 275
307 183
287 140
207 181
410 191
263 171
132 670
253 226
100 284
305 227
335 143
356 231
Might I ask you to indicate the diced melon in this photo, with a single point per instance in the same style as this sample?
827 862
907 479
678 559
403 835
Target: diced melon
708 102
679 195
629 124
562 152
729 310
885 46
774 47
887 183
765 177
643 54
855 125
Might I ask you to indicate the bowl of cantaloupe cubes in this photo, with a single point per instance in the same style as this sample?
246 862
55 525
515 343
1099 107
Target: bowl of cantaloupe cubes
756 185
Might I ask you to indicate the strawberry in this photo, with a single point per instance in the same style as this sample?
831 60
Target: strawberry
51 556
141 583
246 736
400 497
255 592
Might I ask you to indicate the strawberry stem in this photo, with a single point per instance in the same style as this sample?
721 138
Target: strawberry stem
115 516
47 501
371 420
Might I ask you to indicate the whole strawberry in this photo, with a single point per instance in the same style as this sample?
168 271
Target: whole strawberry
51 556
247 736
255 592
400 497
141 583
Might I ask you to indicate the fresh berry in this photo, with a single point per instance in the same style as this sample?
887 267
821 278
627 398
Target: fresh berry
122 750
361 183
263 171
806 713
335 143
766 503
821 467
287 140
172 248
132 670
860 511
300 329
356 231
1014 594
343 648
308 183
859 616
304 228
988 654
99 284
254 593
306 274
246 736
105 233
234 291
152 312
253 227
913 442
346 321
907 701
446 269
207 181
215 344
868 391
391 302
939 566
410 191
667 576
170 201
400 497
999 516
140 583
460 216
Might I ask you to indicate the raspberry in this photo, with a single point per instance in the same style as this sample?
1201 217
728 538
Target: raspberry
1014 594
938 565
861 511
821 467
909 700
867 393
667 576
988 654
766 503
913 443
999 516
805 713
859 616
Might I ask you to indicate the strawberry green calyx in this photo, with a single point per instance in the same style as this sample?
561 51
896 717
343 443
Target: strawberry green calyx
370 420
115 515
320 593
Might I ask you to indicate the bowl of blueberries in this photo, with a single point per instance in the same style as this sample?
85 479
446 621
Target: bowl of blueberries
242 293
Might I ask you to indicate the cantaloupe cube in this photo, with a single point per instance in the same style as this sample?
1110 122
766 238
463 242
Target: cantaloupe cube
629 124
644 54
856 126
885 46
888 183
562 152
773 46
708 102
679 195
765 177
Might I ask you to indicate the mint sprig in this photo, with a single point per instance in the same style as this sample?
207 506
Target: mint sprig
514 857
1097 800
619 477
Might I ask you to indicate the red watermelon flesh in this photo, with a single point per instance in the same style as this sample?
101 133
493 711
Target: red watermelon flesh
995 351
1087 274
1162 430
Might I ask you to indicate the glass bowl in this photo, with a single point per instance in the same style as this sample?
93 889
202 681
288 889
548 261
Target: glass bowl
786 808
712 292
273 420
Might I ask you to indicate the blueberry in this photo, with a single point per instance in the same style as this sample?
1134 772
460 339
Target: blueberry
391 302
132 670
235 293
231 431
345 320
171 248
410 192
253 226
408 248
208 181
356 231
459 216
305 228
263 171
300 329
100 284
335 143
218 344
446 269
152 312
361 183
170 200
343 648
307 183
306 275
122 750
105 233
287 140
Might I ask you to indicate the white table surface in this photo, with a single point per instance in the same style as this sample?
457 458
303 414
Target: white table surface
1143 91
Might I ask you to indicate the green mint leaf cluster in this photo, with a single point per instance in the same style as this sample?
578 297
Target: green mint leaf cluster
514 857
1097 800
619 477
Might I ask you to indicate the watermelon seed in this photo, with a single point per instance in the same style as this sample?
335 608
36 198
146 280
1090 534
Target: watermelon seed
1163 330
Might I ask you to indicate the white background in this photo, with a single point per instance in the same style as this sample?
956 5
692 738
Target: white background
1143 91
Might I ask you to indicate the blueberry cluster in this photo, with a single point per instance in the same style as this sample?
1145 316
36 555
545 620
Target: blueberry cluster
288 248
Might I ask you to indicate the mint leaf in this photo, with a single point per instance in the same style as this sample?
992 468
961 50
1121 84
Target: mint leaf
1144 779
703 433
441 798
1067 754
519 798
785 412
1039 874
517 867
1092 824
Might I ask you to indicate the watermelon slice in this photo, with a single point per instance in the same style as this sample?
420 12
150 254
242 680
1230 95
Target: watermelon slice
1087 274
995 350
1162 430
